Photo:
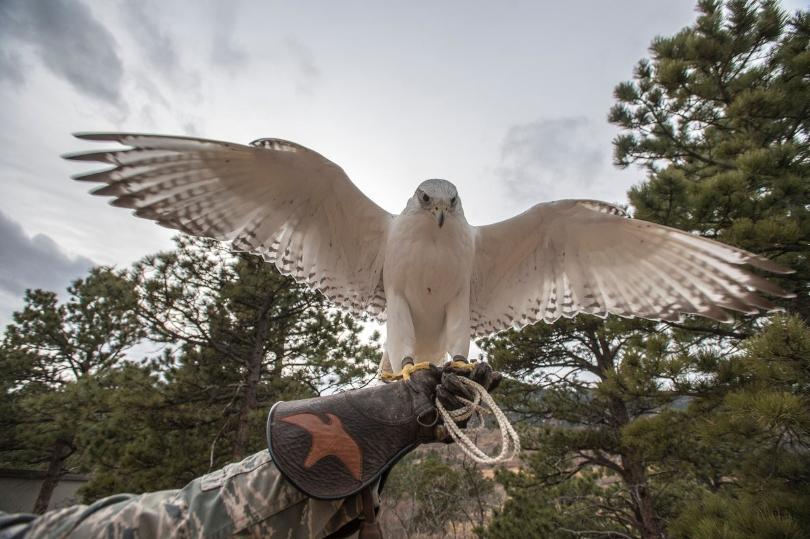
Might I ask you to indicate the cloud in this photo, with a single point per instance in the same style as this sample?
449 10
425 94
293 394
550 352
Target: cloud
191 128
34 262
11 68
307 72
69 41
549 159
154 42
159 49
225 52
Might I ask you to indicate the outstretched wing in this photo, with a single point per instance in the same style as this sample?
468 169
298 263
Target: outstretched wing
581 256
275 198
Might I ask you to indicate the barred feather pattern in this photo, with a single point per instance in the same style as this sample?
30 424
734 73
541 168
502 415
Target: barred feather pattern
275 198
562 258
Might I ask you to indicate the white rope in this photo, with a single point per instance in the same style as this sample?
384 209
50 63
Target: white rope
510 442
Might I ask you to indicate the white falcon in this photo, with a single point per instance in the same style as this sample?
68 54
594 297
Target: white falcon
434 279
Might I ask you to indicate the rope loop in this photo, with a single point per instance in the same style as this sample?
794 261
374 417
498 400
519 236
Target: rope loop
510 442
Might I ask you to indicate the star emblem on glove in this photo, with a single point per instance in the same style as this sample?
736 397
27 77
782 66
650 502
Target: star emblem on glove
329 438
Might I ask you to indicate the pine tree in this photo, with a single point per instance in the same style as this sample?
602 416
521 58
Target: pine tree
238 336
761 426
52 357
584 383
718 118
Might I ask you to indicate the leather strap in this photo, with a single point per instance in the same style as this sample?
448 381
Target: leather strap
371 528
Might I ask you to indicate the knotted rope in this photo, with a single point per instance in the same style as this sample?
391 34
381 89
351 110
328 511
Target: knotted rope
407 370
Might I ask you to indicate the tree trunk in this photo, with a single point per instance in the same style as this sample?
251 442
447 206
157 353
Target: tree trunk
252 378
635 477
60 451
636 480
279 351
246 407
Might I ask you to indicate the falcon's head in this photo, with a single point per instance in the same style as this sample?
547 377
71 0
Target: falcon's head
439 197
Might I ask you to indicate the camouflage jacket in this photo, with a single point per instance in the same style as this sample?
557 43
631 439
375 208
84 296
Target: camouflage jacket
249 498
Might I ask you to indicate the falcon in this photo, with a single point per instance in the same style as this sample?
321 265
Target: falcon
433 279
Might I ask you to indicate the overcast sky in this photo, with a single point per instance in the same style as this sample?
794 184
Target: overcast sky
507 100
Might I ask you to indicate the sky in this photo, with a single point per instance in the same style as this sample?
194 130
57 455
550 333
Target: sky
508 100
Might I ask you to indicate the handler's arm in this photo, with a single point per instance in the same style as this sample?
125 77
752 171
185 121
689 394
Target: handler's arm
248 498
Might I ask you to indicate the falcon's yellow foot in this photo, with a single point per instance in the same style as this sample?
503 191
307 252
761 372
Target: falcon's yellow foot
460 362
410 368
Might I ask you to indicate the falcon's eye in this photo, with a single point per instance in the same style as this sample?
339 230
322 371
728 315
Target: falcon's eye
453 201
425 197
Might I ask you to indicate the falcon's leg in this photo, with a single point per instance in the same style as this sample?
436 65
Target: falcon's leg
400 336
457 326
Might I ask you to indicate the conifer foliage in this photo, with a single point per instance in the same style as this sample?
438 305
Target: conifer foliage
694 429
52 359
147 378
719 116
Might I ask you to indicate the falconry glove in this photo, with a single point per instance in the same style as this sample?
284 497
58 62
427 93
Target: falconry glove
335 446
331 447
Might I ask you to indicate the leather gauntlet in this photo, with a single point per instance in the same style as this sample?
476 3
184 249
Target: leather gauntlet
331 447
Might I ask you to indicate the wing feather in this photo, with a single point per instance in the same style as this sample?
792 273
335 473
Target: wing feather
583 256
275 198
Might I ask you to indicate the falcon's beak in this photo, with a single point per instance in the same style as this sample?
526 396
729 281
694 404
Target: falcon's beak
439 211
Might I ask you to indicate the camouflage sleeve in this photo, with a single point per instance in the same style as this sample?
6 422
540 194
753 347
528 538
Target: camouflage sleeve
248 498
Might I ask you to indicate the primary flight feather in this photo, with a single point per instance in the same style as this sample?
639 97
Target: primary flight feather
434 279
